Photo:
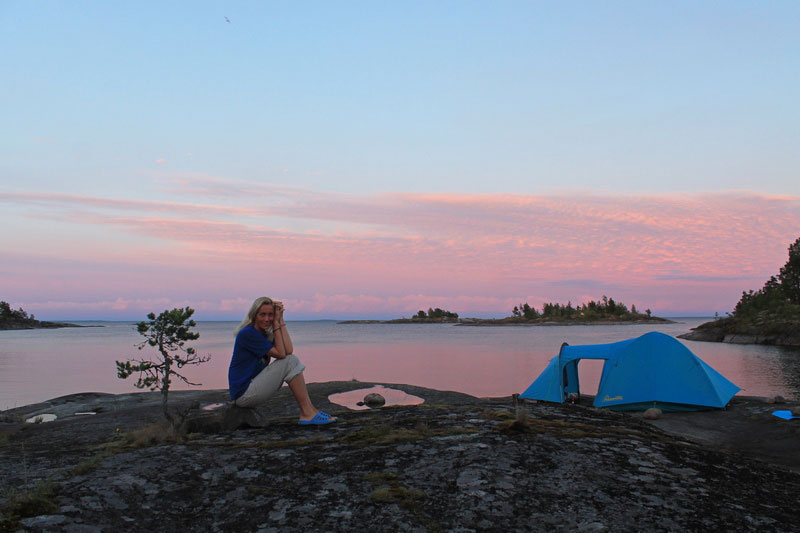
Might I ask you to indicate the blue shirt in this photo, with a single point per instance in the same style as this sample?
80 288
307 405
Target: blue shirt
249 358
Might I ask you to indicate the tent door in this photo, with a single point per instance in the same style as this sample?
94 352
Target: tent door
569 379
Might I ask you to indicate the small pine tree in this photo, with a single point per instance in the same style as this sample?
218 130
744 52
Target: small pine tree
529 312
168 333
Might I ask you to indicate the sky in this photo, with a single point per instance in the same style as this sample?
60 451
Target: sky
370 159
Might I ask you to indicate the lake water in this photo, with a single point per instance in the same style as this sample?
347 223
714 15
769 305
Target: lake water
37 365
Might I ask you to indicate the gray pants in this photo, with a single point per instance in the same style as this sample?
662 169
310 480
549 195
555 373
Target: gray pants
269 380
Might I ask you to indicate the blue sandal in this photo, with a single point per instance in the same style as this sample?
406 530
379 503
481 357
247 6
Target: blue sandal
319 419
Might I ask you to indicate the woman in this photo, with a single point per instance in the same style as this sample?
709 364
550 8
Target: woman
252 378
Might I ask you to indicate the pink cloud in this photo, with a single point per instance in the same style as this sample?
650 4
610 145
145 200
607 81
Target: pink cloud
392 253
65 201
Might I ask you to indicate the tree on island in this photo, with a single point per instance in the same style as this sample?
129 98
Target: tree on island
605 309
780 296
11 315
789 276
435 314
770 315
525 311
168 333
19 319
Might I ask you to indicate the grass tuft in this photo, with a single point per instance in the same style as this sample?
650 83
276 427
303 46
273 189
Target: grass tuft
390 490
155 434
384 434
399 494
8 418
379 478
495 414
41 500
259 490
84 467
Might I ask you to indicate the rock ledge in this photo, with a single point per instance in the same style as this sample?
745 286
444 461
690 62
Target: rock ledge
455 463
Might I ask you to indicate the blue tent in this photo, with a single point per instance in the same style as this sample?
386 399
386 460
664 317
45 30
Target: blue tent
654 370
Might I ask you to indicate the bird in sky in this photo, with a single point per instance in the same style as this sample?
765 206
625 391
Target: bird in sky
227 20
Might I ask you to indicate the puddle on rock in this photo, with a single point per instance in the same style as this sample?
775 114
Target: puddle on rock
46 417
350 399
212 406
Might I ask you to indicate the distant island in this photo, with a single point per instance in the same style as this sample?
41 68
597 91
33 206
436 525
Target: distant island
770 315
604 312
433 316
19 319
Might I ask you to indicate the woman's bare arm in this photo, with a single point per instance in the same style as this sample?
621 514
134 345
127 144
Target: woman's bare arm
287 339
278 350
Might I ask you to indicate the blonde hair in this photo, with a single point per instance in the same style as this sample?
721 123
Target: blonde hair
250 317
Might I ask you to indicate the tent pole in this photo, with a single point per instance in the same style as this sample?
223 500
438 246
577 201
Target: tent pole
561 372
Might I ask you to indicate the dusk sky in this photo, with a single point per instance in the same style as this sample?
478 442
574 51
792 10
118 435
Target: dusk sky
369 159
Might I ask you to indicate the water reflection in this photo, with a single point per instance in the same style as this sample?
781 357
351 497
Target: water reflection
790 368
38 419
37 365
352 399
758 370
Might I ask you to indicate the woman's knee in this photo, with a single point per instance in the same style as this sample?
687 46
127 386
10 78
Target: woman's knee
292 359
293 367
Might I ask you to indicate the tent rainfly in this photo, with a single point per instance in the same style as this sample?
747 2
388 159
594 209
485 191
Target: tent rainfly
654 370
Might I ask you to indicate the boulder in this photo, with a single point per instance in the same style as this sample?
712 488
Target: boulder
241 417
652 414
374 400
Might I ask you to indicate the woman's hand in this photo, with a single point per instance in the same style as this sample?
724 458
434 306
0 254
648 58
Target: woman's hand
279 312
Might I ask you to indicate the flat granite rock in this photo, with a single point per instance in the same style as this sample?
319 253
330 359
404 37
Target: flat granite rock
454 463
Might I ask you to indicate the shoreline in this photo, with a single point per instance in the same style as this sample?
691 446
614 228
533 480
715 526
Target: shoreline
573 323
502 322
42 325
766 339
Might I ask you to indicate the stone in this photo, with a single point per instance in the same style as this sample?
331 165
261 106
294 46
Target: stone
374 400
652 414
198 421
43 521
241 417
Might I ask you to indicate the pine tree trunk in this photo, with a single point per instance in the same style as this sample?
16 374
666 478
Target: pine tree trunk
164 393
165 381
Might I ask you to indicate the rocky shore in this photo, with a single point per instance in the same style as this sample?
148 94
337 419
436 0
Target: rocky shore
600 322
711 334
454 463
36 324
514 322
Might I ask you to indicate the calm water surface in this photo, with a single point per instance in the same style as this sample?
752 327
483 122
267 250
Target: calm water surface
37 365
